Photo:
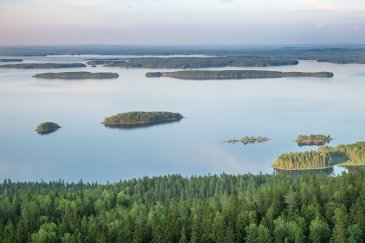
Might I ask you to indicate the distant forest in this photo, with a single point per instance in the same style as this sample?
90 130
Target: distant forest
224 208
327 53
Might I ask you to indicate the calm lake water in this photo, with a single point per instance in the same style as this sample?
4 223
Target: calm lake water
215 111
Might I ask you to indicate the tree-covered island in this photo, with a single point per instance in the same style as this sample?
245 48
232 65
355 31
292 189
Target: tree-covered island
47 128
248 140
43 65
313 140
235 74
140 119
77 75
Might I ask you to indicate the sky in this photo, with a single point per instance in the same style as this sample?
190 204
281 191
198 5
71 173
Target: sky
181 22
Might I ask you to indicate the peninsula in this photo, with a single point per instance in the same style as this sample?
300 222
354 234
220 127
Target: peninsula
77 75
313 140
235 74
43 65
47 128
140 119
349 155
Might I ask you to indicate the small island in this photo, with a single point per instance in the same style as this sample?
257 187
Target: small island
77 75
11 60
248 140
234 74
141 119
43 65
313 140
47 128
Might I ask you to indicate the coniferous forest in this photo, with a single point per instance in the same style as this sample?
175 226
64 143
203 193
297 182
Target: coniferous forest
224 208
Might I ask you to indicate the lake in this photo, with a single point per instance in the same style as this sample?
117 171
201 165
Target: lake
215 111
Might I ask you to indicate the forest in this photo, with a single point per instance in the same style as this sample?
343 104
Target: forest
326 53
77 75
234 74
141 118
213 208
345 154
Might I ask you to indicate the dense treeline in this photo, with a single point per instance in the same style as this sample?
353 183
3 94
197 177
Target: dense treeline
141 118
77 75
235 74
42 65
347 155
335 54
194 62
225 208
355 153
303 160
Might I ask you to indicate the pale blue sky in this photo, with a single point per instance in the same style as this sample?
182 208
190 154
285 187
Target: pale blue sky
181 22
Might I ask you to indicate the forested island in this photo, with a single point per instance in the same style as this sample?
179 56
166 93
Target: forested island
43 65
141 119
193 62
10 60
214 208
325 157
47 128
248 140
77 75
311 140
235 74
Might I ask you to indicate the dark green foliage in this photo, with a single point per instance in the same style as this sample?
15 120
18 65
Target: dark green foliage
310 140
77 75
43 65
141 118
303 161
225 208
350 155
235 74
47 127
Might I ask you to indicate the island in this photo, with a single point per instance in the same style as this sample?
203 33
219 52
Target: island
194 62
248 140
11 60
47 128
77 75
43 65
140 119
313 140
322 160
235 74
